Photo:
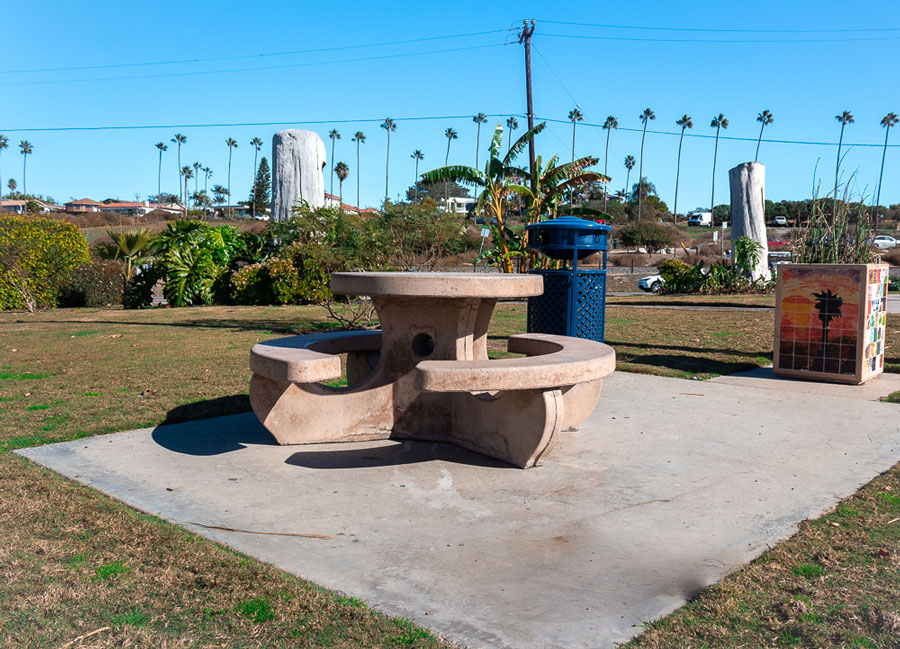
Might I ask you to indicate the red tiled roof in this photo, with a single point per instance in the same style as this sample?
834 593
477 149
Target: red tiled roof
121 204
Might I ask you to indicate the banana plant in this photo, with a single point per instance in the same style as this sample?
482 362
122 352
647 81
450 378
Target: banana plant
495 185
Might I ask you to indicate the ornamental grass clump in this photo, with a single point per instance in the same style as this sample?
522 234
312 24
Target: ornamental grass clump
841 237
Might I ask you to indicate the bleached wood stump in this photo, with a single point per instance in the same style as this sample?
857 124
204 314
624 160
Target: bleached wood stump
748 211
298 158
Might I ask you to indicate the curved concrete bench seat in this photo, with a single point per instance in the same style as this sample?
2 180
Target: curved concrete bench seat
550 362
311 358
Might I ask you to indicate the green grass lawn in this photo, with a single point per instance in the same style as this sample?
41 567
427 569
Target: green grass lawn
73 561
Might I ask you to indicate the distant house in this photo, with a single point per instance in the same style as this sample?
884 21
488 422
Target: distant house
334 201
83 205
457 204
129 208
21 207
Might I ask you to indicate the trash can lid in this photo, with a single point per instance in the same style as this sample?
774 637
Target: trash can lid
569 223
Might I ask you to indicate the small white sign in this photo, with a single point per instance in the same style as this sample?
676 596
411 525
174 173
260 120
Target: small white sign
485 232
715 236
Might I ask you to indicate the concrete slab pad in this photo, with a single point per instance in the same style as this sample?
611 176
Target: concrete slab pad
670 485
764 378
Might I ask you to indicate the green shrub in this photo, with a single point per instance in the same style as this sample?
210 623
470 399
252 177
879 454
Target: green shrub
140 289
646 234
37 259
96 283
250 285
284 280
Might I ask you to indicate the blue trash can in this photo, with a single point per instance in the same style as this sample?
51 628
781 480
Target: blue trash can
574 299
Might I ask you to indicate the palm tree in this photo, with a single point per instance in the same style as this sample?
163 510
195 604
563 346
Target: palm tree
4 143
417 155
610 124
844 118
187 173
162 146
256 143
629 164
232 144
684 122
25 147
451 135
197 166
360 138
388 125
207 172
479 119
179 139
887 122
764 118
12 185
342 171
646 116
717 123
575 116
334 135
512 124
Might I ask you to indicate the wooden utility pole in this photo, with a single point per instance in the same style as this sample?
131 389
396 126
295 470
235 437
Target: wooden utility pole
525 37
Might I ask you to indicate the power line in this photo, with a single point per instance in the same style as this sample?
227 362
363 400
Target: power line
134 127
721 137
253 69
553 72
250 56
137 127
719 41
740 31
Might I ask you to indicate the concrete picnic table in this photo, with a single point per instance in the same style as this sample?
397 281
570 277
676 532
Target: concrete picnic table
426 375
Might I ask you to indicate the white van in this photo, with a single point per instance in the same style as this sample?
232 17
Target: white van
698 217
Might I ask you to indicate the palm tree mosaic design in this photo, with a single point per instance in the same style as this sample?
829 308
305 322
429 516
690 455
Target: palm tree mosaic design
819 327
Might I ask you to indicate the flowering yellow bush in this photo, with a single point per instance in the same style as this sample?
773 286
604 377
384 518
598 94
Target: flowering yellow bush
37 257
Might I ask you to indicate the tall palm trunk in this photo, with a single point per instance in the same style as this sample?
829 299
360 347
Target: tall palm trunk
641 172
341 192
229 180
387 165
477 144
185 194
627 180
416 180
24 179
712 200
887 130
331 191
758 141
253 186
573 140
357 176
179 173
605 167
837 167
159 180
677 177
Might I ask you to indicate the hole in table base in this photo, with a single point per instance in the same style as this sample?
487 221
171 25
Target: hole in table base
422 345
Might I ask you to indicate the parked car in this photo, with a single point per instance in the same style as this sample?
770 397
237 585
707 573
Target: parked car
261 217
779 221
651 283
884 242
774 241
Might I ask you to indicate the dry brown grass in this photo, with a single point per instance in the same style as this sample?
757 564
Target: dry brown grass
73 561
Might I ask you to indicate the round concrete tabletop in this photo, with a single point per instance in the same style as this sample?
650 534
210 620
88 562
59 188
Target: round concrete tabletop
447 285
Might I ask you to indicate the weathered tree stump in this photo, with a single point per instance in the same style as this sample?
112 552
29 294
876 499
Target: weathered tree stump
298 158
748 212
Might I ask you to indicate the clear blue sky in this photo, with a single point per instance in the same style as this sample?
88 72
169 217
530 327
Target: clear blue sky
804 84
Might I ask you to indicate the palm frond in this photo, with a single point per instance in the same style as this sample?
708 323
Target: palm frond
519 145
455 173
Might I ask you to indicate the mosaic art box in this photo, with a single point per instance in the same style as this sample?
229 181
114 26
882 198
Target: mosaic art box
829 321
